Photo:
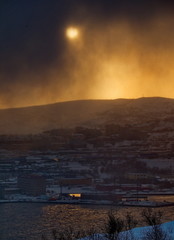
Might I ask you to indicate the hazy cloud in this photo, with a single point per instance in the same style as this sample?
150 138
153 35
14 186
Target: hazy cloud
125 50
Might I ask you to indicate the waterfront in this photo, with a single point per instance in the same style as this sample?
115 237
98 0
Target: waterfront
28 221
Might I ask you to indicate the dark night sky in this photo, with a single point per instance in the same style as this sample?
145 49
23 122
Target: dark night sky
33 48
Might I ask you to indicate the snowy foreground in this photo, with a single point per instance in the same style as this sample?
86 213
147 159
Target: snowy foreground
141 233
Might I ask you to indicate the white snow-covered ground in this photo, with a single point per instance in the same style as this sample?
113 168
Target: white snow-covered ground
140 233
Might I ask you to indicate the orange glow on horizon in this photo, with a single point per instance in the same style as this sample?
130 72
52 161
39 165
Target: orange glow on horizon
99 61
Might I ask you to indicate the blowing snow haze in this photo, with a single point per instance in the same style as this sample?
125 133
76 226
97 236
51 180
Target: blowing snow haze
122 49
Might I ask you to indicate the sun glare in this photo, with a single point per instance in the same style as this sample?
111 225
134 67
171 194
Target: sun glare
72 33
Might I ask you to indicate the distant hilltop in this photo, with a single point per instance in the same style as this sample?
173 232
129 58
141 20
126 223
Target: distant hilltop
90 113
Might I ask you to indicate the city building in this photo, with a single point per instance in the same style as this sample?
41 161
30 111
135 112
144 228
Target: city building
32 185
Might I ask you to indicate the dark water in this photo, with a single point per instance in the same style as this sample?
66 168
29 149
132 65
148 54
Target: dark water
29 221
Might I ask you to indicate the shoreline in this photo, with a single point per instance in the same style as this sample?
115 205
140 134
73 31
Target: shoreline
76 202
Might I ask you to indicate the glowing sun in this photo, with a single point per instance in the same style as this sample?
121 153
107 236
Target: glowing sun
72 33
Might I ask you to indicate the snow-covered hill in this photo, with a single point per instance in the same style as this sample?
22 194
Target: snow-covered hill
163 232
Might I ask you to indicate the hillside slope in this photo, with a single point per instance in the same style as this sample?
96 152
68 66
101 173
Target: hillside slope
84 112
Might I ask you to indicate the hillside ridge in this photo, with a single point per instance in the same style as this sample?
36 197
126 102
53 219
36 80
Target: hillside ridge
36 119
